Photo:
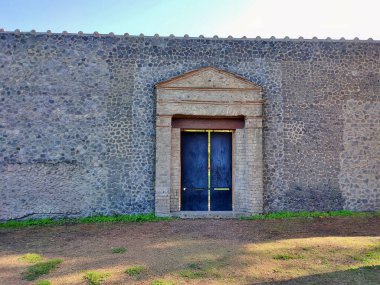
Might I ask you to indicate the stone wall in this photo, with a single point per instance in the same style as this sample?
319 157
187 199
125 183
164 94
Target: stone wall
77 119
360 173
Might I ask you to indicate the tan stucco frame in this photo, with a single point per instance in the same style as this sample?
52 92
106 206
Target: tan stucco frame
210 92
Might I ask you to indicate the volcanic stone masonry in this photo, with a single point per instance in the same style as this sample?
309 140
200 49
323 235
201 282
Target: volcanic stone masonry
78 119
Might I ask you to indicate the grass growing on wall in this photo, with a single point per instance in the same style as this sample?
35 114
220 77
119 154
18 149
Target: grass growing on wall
136 218
315 214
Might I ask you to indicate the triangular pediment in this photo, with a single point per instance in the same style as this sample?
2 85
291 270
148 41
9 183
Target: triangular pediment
208 78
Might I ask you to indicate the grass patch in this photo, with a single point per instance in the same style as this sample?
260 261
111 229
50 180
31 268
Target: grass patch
43 282
287 256
305 214
95 278
162 282
119 250
135 271
137 218
199 270
192 274
31 258
151 217
372 255
41 268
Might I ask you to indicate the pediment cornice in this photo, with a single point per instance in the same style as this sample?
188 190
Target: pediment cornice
208 78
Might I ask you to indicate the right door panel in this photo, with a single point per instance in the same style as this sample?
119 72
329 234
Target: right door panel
221 171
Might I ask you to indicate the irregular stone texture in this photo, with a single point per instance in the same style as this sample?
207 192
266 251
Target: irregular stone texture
44 188
85 107
360 174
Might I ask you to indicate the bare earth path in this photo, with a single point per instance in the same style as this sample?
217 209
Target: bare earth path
294 251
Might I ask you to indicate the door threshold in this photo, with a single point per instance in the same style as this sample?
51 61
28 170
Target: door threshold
208 214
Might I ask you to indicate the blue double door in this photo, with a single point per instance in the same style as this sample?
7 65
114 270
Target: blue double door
206 171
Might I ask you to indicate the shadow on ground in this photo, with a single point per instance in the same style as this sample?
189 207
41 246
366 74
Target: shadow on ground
368 275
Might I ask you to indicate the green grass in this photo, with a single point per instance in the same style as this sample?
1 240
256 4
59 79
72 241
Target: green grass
192 274
135 271
95 278
41 268
372 255
205 269
137 218
287 256
305 214
31 258
119 250
162 282
43 282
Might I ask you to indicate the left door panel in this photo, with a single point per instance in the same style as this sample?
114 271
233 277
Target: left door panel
194 171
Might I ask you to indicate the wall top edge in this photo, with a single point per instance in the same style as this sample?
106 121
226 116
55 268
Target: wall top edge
187 37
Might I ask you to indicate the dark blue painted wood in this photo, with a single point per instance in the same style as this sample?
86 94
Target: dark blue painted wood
194 171
221 171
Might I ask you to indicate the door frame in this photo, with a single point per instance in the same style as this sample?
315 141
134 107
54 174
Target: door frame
209 131
209 93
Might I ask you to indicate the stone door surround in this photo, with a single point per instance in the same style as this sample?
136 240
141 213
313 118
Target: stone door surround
209 93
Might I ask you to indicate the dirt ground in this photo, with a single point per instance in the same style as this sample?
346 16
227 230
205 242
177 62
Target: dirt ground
293 251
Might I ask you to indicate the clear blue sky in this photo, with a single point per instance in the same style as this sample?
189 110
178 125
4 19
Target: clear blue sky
265 18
